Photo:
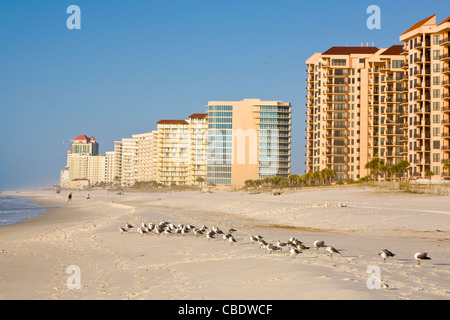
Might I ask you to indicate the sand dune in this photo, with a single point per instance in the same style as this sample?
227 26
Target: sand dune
35 255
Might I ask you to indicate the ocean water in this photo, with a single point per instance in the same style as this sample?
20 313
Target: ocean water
15 209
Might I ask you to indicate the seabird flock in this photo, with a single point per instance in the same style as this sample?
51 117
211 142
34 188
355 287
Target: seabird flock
295 246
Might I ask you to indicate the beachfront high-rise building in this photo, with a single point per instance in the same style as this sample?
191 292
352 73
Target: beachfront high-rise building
337 111
198 127
84 162
393 104
84 145
145 156
426 48
387 105
172 152
247 140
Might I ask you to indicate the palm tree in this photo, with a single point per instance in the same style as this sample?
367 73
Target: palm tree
447 167
292 179
200 180
374 167
429 174
385 170
401 167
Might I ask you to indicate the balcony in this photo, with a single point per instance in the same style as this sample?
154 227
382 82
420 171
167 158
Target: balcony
445 42
445 57
446 96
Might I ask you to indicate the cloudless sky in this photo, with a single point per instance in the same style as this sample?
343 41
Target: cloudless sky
135 62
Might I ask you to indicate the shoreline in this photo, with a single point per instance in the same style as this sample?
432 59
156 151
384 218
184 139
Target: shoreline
34 255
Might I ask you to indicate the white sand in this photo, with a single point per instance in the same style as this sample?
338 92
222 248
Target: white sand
34 255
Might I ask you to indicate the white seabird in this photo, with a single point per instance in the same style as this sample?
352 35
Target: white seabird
332 250
419 256
293 251
271 247
231 239
385 253
253 239
197 232
122 230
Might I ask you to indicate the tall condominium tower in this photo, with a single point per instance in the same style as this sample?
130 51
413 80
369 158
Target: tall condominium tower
426 48
84 162
338 110
198 127
84 145
387 105
248 139
172 152
145 156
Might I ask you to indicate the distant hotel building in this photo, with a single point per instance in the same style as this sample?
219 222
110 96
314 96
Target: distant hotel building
84 165
365 102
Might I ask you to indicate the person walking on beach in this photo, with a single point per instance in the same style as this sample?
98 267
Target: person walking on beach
69 200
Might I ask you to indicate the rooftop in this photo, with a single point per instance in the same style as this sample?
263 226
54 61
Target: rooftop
350 50
172 122
394 50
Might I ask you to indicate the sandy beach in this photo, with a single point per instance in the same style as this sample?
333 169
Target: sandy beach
359 222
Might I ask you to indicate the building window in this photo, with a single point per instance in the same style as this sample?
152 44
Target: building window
436 131
437 170
436 157
436 93
436 145
436 39
436 106
338 62
436 54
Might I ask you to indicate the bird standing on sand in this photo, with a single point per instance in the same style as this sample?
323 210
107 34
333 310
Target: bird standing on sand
231 239
129 226
253 239
293 251
385 253
419 256
319 244
122 230
281 245
332 250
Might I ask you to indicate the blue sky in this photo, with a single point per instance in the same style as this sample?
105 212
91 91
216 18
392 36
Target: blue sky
136 62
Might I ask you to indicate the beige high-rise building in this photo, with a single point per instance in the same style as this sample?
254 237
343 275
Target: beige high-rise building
365 102
338 111
83 162
426 48
172 152
198 142
124 162
247 140
109 167
387 105
145 156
